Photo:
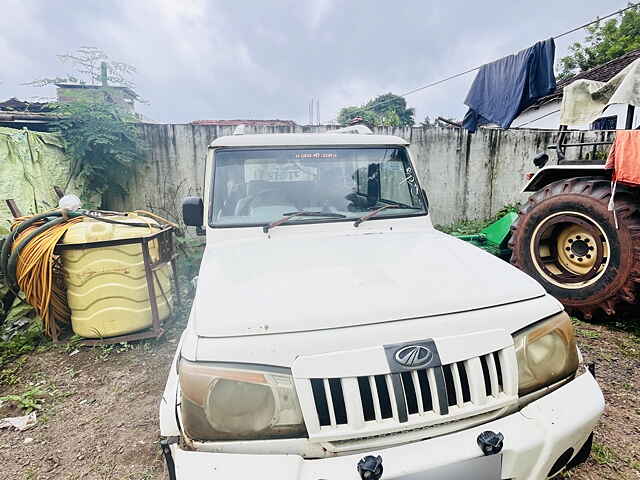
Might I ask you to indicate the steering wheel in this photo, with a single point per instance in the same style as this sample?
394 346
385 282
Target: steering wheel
248 201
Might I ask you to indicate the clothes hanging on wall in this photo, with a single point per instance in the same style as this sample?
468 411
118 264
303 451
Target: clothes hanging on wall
624 157
583 101
504 88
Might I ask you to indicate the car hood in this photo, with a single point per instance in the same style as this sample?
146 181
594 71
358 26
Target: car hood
302 283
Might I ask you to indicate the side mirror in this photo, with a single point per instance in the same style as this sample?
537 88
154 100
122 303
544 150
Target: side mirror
192 211
540 160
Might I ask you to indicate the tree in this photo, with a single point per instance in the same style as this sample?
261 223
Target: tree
348 114
387 110
605 41
102 141
87 65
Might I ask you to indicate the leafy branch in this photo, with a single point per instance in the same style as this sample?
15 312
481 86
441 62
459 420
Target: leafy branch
605 41
102 141
86 63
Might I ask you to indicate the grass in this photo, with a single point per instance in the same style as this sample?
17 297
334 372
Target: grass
602 454
9 375
23 342
27 401
472 227
587 333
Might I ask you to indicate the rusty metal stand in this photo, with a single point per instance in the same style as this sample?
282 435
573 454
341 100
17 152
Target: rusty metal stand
166 254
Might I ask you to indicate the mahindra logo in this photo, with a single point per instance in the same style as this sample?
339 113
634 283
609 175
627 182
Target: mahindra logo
413 356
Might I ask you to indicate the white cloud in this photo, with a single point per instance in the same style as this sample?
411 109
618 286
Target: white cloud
319 10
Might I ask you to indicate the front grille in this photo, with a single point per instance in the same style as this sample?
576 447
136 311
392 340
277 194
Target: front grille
379 405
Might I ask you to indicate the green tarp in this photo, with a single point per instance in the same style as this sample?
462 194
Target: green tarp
31 163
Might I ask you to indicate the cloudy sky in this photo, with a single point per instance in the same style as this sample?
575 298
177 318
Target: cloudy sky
206 59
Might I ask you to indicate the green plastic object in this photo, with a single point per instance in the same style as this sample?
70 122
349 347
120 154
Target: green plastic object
498 232
495 237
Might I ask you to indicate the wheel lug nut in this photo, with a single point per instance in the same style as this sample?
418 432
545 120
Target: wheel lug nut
588 256
578 237
579 259
567 248
572 256
587 240
591 248
571 240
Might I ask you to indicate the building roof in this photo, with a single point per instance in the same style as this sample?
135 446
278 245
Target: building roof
34 115
249 123
15 105
601 73
127 90
307 140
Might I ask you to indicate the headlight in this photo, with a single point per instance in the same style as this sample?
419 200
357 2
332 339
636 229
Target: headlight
546 353
226 403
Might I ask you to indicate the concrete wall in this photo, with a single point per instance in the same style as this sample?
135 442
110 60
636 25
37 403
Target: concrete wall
466 176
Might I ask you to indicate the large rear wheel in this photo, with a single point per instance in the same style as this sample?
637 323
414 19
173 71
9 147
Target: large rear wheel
566 238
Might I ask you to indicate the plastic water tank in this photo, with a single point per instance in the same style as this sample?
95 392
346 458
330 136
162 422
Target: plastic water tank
106 286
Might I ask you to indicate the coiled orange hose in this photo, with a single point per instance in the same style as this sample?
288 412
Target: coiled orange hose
35 275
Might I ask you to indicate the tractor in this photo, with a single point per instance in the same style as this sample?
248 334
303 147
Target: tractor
567 238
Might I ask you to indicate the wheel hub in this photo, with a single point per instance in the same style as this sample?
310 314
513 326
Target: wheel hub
570 249
577 248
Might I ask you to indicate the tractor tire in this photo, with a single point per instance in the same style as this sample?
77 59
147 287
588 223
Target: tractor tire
566 238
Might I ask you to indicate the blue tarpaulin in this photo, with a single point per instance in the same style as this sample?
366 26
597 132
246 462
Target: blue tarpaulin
504 88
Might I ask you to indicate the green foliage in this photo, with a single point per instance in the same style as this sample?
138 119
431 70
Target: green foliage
28 401
9 375
103 142
384 110
605 41
464 227
602 454
473 227
25 341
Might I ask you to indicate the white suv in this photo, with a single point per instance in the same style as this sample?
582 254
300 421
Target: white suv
335 334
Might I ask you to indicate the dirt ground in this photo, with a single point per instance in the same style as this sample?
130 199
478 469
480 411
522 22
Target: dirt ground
99 406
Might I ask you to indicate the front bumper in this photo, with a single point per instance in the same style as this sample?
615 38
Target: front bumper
534 439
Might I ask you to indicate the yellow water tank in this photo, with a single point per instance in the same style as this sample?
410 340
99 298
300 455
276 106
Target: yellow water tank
106 286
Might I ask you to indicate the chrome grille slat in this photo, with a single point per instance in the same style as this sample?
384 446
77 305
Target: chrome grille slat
416 386
435 400
376 399
332 411
392 398
457 383
476 381
509 375
355 414
493 375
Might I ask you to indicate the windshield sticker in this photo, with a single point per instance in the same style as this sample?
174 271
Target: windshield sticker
316 155
411 180
290 172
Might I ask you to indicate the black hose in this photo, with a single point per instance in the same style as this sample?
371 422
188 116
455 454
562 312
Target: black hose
117 222
12 264
5 253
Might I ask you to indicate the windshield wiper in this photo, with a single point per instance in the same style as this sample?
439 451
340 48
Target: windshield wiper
301 213
373 213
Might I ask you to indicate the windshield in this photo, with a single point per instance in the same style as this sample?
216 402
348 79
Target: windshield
258 187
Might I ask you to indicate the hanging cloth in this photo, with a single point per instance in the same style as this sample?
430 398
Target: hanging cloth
504 88
583 101
624 157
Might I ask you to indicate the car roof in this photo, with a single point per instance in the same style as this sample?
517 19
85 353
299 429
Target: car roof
307 140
